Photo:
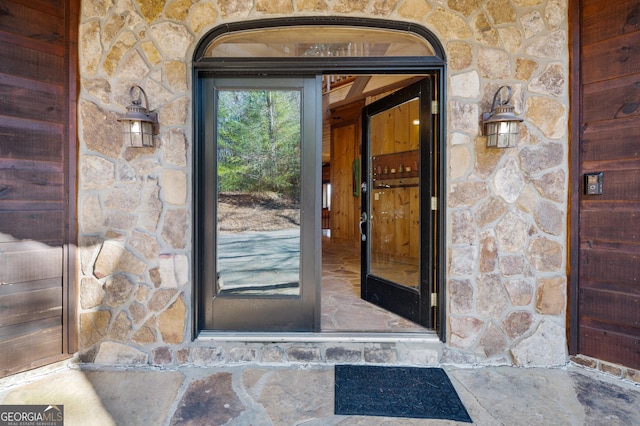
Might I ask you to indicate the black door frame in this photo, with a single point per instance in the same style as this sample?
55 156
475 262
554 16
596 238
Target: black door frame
273 313
407 302
435 65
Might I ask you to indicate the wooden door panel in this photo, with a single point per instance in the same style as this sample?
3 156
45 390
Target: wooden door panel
611 306
44 226
38 66
32 185
605 20
620 54
612 99
31 344
28 62
30 301
30 142
620 226
609 345
43 20
617 184
30 101
609 266
29 261
610 140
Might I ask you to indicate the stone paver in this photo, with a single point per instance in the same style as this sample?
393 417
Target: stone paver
108 397
208 401
255 394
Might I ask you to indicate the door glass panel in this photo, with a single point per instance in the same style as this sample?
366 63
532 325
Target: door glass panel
258 200
395 196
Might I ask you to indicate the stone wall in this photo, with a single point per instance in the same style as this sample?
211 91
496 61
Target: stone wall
507 209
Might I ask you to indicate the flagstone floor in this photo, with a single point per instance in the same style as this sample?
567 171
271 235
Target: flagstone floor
303 393
258 395
342 308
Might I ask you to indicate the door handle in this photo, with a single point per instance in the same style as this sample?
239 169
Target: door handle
363 220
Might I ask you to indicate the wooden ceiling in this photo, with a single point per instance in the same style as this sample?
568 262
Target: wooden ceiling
344 96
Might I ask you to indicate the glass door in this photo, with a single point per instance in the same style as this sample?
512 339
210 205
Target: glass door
262 243
396 218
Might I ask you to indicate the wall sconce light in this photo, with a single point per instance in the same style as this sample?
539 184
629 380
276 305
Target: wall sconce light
501 125
139 125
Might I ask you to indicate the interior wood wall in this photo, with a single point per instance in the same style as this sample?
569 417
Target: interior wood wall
37 178
346 138
344 205
607 306
395 210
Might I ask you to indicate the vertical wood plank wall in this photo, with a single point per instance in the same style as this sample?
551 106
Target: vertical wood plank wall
395 211
344 206
609 224
345 130
36 125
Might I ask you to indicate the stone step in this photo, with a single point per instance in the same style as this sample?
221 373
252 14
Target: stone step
320 348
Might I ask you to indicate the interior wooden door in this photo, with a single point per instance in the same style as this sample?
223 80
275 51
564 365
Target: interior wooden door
396 220
606 305
37 195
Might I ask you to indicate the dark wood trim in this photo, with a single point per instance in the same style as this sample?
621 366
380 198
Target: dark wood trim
70 337
574 171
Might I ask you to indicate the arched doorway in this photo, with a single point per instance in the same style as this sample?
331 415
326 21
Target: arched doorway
317 66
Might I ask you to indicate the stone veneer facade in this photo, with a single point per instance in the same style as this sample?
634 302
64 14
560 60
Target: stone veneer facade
507 209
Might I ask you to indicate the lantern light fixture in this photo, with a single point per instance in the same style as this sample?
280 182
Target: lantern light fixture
501 124
139 125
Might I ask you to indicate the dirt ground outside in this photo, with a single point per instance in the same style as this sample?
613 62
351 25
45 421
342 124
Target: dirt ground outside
265 211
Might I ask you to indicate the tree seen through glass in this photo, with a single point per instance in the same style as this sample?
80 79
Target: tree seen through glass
259 142
259 184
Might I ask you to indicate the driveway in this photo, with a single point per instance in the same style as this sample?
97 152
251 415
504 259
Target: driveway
266 262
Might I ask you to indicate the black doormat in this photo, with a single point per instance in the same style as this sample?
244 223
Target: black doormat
423 393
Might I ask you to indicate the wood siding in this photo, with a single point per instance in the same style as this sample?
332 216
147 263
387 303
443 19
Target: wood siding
37 189
607 299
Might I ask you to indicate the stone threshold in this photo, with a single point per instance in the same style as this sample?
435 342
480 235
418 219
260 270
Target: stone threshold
326 337
316 348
